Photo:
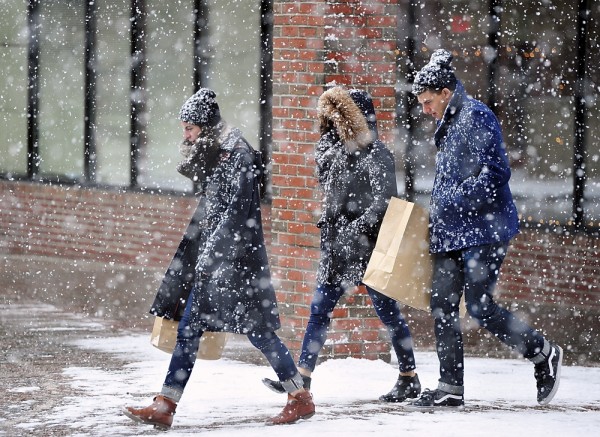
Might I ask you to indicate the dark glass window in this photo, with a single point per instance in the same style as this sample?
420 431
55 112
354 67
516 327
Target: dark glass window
61 88
536 104
522 58
90 92
112 92
591 91
13 88
233 68
460 27
169 75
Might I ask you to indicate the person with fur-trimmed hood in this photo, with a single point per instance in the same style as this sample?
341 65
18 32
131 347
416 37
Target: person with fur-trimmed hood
219 279
357 175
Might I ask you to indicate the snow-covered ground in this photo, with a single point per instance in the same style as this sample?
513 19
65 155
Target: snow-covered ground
226 398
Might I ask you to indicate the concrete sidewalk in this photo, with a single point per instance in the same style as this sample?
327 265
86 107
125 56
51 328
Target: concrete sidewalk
67 374
37 344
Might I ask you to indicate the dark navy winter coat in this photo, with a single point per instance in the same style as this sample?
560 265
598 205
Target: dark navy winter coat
471 202
222 252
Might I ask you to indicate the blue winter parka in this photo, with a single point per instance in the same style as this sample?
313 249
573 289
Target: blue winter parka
471 202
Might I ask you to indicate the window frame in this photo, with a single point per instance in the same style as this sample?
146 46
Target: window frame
406 39
138 57
405 108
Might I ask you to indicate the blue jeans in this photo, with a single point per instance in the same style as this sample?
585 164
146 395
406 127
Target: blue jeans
324 301
186 349
472 271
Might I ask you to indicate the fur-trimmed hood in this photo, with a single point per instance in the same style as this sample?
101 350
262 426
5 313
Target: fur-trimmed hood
351 113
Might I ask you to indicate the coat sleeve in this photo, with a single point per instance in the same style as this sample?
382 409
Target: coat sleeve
382 180
233 231
492 166
328 149
178 280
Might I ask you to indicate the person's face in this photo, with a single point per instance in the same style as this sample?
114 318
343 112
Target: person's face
434 103
191 132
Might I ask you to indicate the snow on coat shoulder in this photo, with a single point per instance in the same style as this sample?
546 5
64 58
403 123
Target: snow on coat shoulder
471 201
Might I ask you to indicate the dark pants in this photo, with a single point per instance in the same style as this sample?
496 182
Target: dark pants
186 349
472 271
324 301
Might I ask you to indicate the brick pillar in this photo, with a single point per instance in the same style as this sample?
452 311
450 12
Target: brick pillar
318 44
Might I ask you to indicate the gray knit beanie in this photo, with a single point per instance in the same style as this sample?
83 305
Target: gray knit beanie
201 109
436 75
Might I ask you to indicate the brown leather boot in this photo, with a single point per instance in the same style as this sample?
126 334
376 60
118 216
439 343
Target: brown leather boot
298 407
160 413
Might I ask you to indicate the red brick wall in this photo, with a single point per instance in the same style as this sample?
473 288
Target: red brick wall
550 278
95 225
95 251
104 252
557 269
320 43
90 224
316 44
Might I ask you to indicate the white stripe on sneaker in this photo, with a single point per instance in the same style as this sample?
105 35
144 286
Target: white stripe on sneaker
550 358
550 396
447 396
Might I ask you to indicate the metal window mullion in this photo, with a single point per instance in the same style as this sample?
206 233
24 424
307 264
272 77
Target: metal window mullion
200 36
495 8
137 98
266 90
200 57
33 87
89 161
404 99
579 146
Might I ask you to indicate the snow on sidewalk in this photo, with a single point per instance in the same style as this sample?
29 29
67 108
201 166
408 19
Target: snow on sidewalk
226 397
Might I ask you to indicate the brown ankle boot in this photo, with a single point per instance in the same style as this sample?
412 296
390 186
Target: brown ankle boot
160 413
298 407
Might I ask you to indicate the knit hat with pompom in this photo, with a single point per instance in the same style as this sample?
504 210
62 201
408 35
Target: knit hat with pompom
436 75
201 109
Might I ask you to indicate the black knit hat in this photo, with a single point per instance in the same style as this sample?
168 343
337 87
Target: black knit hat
436 75
365 103
201 109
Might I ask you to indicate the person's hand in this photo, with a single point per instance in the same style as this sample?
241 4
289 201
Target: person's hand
328 148
344 243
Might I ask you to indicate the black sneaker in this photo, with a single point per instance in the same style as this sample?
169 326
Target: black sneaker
432 400
277 387
407 387
547 375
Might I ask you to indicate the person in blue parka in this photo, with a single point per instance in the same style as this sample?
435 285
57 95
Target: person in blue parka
472 219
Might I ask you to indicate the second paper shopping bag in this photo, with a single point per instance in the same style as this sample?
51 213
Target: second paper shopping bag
401 266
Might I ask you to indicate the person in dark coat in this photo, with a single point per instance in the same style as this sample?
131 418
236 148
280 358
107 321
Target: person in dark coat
219 279
357 174
472 219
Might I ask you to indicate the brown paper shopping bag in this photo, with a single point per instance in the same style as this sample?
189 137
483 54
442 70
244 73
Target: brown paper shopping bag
164 336
401 266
